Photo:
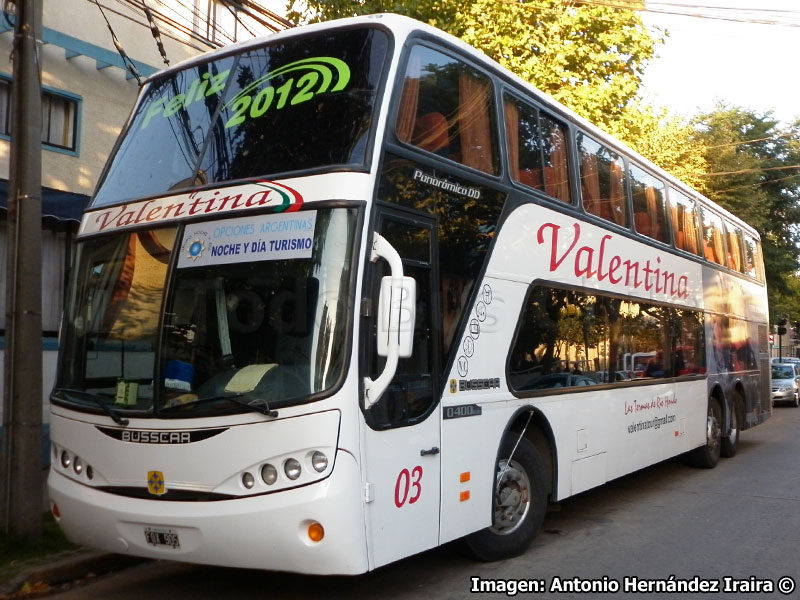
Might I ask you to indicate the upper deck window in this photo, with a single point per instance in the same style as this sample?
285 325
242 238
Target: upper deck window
602 181
649 205
683 215
306 103
752 257
713 241
537 150
733 237
447 108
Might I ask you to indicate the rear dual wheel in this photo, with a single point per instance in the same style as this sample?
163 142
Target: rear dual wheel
519 505
731 443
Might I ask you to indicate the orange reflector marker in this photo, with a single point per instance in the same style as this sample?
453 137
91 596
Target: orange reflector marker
464 496
55 510
465 477
316 532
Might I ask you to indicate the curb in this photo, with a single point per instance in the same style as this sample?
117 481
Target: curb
70 568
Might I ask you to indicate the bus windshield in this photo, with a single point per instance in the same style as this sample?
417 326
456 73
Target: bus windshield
256 310
303 104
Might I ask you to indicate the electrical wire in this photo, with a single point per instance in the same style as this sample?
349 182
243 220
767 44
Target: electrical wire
118 45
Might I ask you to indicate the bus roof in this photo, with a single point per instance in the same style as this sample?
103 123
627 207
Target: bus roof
403 27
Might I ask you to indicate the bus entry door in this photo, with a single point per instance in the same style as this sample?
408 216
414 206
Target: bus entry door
402 433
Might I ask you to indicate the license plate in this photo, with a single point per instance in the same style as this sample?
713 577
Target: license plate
162 537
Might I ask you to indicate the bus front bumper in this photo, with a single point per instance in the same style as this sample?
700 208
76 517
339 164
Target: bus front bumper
268 531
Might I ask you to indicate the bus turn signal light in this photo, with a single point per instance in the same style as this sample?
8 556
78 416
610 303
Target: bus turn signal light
316 532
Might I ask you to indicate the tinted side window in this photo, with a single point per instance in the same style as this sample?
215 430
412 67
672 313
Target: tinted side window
733 239
537 149
602 181
447 108
713 241
649 205
683 216
752 254
466 219
566 337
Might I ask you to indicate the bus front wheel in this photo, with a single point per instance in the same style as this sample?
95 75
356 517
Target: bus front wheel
519 503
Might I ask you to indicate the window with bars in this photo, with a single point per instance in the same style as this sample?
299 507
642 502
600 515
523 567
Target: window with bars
216 21
59 117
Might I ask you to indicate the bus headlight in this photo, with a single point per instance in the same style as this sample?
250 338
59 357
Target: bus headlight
319 461
78 466
248 481
269 474
292 469
66 461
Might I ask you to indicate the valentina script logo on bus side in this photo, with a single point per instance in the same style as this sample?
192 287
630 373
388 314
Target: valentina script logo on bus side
596 263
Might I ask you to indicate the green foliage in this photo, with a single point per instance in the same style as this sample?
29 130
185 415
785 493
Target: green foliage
754 172
666 140
590 58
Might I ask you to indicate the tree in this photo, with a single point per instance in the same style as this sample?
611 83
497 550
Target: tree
590 58
754 171
666 140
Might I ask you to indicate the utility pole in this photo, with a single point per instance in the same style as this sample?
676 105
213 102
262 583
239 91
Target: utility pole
21 463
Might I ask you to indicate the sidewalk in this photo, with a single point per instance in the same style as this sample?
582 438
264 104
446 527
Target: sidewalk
46 575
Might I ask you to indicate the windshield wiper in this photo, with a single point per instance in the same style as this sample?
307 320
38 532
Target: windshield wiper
95 399
264 410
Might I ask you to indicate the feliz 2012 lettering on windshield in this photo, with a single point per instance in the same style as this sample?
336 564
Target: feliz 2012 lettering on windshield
302 80
598 263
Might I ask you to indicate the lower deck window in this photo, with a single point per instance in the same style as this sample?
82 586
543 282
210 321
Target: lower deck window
569 338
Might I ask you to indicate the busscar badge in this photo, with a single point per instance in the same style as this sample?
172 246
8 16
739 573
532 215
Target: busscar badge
156 484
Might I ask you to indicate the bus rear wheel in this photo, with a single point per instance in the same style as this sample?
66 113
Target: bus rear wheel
731 442
519 504
707 456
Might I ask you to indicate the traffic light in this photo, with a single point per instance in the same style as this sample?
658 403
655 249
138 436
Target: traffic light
782 326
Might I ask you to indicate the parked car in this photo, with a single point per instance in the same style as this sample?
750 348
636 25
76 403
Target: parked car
559 380
786 383
785 359
602 376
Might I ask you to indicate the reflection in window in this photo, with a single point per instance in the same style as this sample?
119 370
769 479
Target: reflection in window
733 238
111 321
602 181
713 242
283 107
447 108
567 336
649 206
464 231
537 150
752 257
684 221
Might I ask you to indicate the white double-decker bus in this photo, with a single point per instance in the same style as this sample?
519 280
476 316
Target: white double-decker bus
353 291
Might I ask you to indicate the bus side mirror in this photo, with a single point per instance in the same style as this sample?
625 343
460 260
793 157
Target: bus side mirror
397 312
397 308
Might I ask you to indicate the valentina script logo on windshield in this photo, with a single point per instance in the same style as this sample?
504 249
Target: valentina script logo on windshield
254 194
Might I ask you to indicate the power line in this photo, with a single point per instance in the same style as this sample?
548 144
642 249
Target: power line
720 13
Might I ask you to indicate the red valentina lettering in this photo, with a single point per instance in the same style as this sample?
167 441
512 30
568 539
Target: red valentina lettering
593 263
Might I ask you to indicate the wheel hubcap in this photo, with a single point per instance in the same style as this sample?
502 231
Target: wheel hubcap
513 497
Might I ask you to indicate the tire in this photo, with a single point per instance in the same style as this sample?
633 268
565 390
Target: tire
519 504
731 442
797 400
707 456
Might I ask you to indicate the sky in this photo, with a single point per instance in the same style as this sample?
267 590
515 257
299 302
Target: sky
745 64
